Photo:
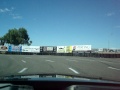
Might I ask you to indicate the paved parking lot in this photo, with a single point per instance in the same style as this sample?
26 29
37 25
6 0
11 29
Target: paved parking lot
68 65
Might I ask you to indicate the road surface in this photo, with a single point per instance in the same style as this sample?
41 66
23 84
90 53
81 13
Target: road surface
69 65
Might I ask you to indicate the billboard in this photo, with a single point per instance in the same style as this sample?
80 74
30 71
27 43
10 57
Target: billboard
82 48
14 48
35 49
48 48
69 49
61 49
3 48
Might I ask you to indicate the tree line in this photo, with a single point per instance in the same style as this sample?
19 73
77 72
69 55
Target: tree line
16 37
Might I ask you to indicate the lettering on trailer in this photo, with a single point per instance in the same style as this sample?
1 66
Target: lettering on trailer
69 49
49 48
61 49
15 48
3 48
35 49
82 47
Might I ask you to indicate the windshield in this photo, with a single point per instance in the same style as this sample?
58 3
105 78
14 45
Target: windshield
61 37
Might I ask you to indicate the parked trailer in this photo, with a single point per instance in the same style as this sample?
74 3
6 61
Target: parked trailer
14 48
82 48
48 49
35 49
61 49
3 49
69 49
31 49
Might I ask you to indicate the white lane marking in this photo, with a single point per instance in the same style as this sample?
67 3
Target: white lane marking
73 60
24 61
106 62
27 57
91 60
85 60
50 61
43 57
22 70
74 70
113 68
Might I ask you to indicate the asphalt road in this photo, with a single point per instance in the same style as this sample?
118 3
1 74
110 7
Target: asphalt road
68 65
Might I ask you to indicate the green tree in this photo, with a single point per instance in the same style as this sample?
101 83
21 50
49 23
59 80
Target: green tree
17 36
2 41
24 36
29 43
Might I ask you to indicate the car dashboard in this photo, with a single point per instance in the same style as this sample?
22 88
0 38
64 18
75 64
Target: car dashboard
53 83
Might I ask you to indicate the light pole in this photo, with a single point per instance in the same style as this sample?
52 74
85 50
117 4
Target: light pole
109 36
108 44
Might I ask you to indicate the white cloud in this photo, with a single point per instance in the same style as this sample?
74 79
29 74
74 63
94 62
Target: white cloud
7 10
1 10
110 14
117 26
11 13
4 10
12 8
17 17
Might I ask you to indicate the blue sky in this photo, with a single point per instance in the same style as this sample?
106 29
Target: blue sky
64 22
